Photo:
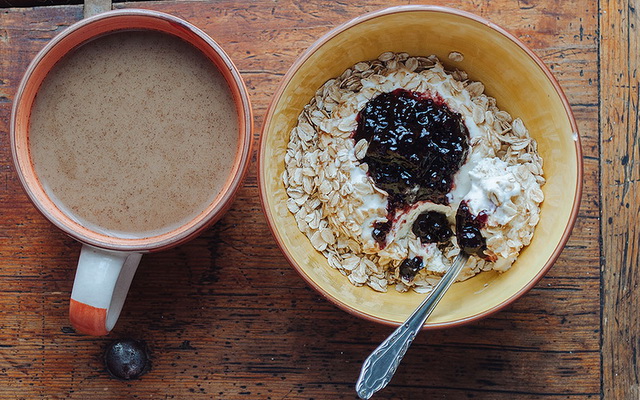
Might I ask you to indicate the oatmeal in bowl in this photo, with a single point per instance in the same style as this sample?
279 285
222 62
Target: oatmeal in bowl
397 164
404 135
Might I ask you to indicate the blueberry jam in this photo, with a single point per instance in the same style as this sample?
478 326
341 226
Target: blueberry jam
416 146
380 230
470 239
432 227
410 267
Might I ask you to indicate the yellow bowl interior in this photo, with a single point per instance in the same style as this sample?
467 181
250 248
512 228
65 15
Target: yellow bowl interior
509 74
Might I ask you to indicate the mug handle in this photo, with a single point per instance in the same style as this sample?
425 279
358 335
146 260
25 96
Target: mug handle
102 281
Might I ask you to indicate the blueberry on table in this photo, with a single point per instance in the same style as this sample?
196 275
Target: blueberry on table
127 359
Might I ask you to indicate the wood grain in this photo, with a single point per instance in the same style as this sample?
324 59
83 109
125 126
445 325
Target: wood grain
225 317
620 185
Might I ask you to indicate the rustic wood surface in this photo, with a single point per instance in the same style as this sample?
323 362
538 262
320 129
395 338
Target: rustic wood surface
225 317
620 195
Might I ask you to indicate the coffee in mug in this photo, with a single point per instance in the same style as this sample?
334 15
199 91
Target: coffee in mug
133 133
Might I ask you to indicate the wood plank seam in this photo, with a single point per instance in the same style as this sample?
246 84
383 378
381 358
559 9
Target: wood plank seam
620 199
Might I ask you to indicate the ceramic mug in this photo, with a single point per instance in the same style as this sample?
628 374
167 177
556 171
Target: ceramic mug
108 259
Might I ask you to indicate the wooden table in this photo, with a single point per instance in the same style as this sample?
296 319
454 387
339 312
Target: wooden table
225 316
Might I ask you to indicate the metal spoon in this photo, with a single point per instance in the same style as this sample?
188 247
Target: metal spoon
379 367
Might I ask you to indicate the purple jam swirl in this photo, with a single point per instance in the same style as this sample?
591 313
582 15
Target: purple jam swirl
432 227
470 239
416 146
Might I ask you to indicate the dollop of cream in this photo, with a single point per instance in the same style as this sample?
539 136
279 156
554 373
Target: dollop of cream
491 184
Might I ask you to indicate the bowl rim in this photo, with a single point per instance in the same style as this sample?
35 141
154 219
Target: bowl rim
421 8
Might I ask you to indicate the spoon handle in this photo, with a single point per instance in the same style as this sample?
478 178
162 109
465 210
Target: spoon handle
379 367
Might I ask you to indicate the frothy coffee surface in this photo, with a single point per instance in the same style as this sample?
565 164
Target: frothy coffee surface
134 133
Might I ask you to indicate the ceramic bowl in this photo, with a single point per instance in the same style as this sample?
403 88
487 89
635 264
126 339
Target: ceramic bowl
511 73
